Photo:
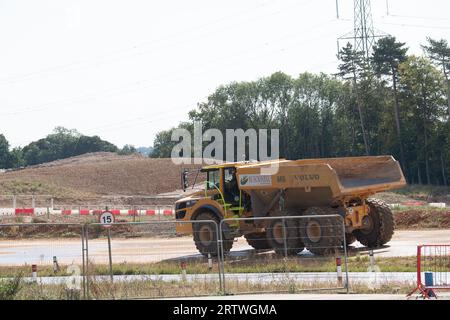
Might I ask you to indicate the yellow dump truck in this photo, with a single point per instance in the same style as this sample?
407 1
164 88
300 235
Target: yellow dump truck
312 187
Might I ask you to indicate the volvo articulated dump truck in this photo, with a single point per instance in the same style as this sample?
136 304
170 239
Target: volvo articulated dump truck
313 187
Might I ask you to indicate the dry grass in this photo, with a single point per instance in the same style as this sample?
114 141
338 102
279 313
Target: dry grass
92 175
160 289
416 192
262 264
203 285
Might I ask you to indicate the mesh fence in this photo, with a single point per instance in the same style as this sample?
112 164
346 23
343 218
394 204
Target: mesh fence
148 260
47 258
292 254
433 270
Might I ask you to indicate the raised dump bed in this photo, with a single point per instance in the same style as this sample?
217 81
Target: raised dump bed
322 181
369 174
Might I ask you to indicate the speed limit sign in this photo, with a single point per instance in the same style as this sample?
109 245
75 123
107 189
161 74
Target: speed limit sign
106 219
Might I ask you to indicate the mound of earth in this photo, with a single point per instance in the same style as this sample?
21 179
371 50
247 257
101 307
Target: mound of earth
94 175
422 218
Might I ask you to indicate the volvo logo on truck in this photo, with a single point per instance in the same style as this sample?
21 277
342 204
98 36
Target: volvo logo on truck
255 180
306 177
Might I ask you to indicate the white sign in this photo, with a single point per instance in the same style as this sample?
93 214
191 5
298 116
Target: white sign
255 180
106 219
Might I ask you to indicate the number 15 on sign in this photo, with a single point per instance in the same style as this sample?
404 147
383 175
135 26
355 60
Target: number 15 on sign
106 219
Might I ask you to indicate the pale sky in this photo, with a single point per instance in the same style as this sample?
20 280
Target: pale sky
125 70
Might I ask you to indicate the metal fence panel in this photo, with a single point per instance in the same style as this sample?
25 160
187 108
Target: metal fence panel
290 267
47 258
148 260
433 270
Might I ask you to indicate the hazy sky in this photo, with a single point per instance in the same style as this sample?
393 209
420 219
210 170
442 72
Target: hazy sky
125 70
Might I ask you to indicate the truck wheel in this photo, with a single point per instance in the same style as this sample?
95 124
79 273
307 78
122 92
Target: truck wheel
276 234
205 235
258 240
321 235
380 225
349 239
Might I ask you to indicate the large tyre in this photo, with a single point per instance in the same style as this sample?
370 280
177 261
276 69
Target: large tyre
350 238
321 235
380 225
205 235
258 240
278 235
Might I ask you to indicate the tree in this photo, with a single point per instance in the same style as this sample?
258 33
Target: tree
386 58
16 158
318 115
439 52
353 68
163 144
85 144
63 143
424 91
4 152
127 150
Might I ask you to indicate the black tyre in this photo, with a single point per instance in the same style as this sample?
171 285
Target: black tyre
205 235
258 240
380 225
284 239
321 235
350 238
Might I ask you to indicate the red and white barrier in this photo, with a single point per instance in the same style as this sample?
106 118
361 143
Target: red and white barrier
85 212
433 270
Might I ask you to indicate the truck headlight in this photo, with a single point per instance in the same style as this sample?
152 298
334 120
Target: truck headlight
190 203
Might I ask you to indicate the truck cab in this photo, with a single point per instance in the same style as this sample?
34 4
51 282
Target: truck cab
221 195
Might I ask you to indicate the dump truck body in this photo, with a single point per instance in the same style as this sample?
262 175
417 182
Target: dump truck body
336 185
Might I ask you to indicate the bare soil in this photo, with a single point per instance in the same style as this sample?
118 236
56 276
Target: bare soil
87 177
41 229
422 218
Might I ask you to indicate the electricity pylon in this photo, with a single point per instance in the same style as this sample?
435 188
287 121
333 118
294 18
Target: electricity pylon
363 34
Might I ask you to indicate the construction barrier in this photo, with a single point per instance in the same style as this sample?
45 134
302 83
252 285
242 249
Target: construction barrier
54 263
130 260
288 267
433 270
158 210
150 260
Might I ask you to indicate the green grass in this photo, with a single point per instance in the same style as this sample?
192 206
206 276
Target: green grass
178 288
263 265
10 288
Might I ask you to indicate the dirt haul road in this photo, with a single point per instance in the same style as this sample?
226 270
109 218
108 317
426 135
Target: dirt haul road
67 251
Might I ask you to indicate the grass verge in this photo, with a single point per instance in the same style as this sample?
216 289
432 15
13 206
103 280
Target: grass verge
159 289
255 265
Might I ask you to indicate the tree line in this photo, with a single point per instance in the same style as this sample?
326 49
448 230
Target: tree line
391 103
62 143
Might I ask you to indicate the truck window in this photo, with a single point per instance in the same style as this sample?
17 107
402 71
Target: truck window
213 179
231 190
230 174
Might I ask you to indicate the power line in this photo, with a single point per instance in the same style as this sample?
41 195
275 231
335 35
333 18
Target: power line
142 122
135 85
129 51
418 17
415 25
363 34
